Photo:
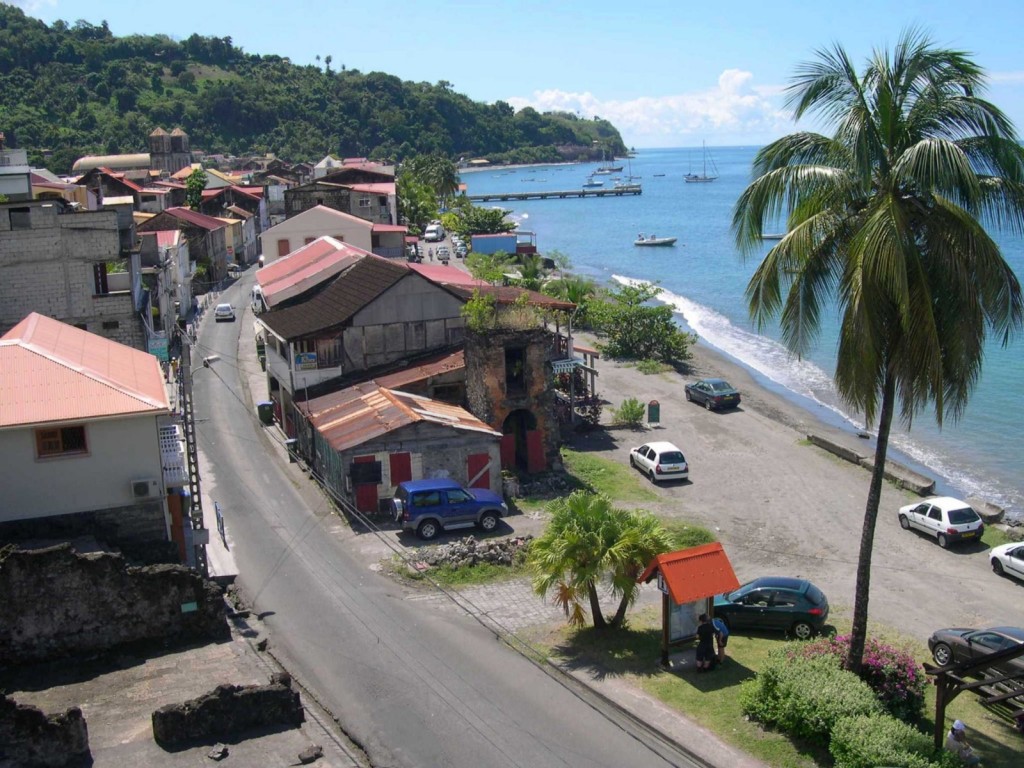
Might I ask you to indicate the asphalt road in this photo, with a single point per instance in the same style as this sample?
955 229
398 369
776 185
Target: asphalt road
412 687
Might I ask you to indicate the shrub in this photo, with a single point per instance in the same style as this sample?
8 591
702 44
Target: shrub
869 741
893 675
630 413
650 367
806 697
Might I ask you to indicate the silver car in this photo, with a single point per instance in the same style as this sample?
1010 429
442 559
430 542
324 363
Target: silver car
946 519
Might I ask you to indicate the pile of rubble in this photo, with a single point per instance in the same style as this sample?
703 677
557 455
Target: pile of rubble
470 551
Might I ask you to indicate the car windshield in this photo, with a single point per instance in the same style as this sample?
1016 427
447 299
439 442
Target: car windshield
961 516
672 457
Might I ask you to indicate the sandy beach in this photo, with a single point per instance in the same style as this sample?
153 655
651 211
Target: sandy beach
781 506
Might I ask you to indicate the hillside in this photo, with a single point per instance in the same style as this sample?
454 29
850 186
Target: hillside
74 90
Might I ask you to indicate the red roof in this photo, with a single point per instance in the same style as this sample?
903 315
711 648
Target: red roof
195 218
389 228
54 372
374 187
305 268
256 192
120 177
693 574
438 273
367 411
166 237
425 369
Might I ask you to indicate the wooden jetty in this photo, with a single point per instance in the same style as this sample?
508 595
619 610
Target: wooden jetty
625 189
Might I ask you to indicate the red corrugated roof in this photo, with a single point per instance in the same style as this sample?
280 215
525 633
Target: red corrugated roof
54 372
195 218
167 237
433 366
438 273
389 228
305 268
693 574
121 178
374 187
367 411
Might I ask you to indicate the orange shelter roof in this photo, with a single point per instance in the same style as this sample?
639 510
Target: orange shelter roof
693 574
51 372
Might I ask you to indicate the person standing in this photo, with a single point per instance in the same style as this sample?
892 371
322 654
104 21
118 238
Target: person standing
721 637
956 742
705 643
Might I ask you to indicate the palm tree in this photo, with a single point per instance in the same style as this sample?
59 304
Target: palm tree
640 540
885 216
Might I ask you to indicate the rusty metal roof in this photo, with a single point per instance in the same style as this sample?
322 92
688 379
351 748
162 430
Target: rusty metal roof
195 218
54 372
305 268
367 411
693 574
433 366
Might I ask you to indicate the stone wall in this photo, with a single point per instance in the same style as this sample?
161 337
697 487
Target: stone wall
58 603
229 711
30 738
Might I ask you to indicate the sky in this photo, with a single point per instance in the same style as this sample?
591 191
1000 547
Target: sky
665 73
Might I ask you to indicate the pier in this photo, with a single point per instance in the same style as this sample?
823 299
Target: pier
625 189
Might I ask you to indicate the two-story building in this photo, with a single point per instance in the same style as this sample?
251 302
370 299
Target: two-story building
387 240
206 236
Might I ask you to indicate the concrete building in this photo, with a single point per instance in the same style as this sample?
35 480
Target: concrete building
387 240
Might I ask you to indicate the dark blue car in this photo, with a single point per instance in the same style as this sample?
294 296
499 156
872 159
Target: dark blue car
431 506
775 603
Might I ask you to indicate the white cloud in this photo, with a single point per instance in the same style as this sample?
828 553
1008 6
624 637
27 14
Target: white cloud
1013 78
32 7
733 112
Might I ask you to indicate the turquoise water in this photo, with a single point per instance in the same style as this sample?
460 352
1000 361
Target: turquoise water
704 278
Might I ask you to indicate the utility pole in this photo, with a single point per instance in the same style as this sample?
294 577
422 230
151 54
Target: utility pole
200 535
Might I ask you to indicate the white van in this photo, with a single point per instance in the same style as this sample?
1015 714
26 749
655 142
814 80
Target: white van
434 233
256 300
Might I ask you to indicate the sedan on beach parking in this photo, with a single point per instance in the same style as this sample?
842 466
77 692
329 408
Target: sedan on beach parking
947 519
659 461
779 603
1008 559
712 394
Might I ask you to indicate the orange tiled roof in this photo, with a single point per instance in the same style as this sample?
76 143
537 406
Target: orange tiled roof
693 574
52 372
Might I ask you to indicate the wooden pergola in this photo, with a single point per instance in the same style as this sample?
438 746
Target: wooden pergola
950 682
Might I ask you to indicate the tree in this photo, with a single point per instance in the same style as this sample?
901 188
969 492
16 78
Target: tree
490 267
577 289
589 541
884 217
474 220
636 330
194 186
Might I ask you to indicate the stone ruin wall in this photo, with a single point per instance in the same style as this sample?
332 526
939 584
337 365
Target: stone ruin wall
58 603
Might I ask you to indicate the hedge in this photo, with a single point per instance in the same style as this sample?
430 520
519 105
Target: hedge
868 741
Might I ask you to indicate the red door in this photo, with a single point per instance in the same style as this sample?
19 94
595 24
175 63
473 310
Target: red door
508 451
478 468
366 493
401 467
535 451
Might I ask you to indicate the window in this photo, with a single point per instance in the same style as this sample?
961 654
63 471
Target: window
21 218
515 375
364 202
426 499
328 353
283 247
99 279
458 497
935 514
111 325
60 441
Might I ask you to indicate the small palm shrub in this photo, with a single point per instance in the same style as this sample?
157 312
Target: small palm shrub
873 740
630 413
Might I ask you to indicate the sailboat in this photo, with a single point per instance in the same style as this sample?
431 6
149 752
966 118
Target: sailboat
606 166
703 177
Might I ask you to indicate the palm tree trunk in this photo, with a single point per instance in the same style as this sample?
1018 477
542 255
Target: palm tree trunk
620 613
595 607
859 633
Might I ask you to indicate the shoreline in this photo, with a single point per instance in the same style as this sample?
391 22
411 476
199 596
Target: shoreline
518 166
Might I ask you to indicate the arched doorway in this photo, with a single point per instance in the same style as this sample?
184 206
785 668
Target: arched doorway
522 444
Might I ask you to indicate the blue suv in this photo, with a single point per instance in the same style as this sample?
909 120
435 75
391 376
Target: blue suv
431 506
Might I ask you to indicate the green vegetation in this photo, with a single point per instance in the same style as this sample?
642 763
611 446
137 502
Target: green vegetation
194 186
75 89
630 413
636 330
885 219
465 576
993 537
589 542
651 367
489 266
609 478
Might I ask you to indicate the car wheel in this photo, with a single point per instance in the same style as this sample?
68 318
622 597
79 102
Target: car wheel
707 404
428 530
488 522
803 631
904 523
689 397
650 474
632 461
942 654
943 541
997 567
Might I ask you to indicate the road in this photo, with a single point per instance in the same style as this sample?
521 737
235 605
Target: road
411 687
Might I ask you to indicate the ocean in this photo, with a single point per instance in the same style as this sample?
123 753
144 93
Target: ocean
704 277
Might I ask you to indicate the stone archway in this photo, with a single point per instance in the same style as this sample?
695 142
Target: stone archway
519 442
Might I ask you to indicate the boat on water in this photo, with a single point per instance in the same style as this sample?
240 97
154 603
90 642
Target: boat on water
591 182
603 171
703 177
643 239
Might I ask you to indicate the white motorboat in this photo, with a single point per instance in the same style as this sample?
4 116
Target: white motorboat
642 239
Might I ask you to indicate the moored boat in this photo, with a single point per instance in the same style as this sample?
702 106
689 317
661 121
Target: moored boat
643 239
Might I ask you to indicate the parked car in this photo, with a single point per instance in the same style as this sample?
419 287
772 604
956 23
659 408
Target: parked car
224 312
444 253
949 520
659 461
775 603
712 393
950 646
1008 559
430 506
460 251
234 270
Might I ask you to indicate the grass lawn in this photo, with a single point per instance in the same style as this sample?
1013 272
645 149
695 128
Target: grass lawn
448 576
619 482
712 700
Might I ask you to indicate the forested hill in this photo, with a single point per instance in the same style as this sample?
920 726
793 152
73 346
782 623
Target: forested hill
75 89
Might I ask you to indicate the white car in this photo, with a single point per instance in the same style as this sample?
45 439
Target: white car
1008 559
659 461
224 312
949 520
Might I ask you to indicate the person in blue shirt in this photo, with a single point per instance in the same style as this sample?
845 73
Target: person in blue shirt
721 637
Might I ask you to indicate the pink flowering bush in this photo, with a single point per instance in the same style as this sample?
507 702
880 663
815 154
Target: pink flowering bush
895 677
